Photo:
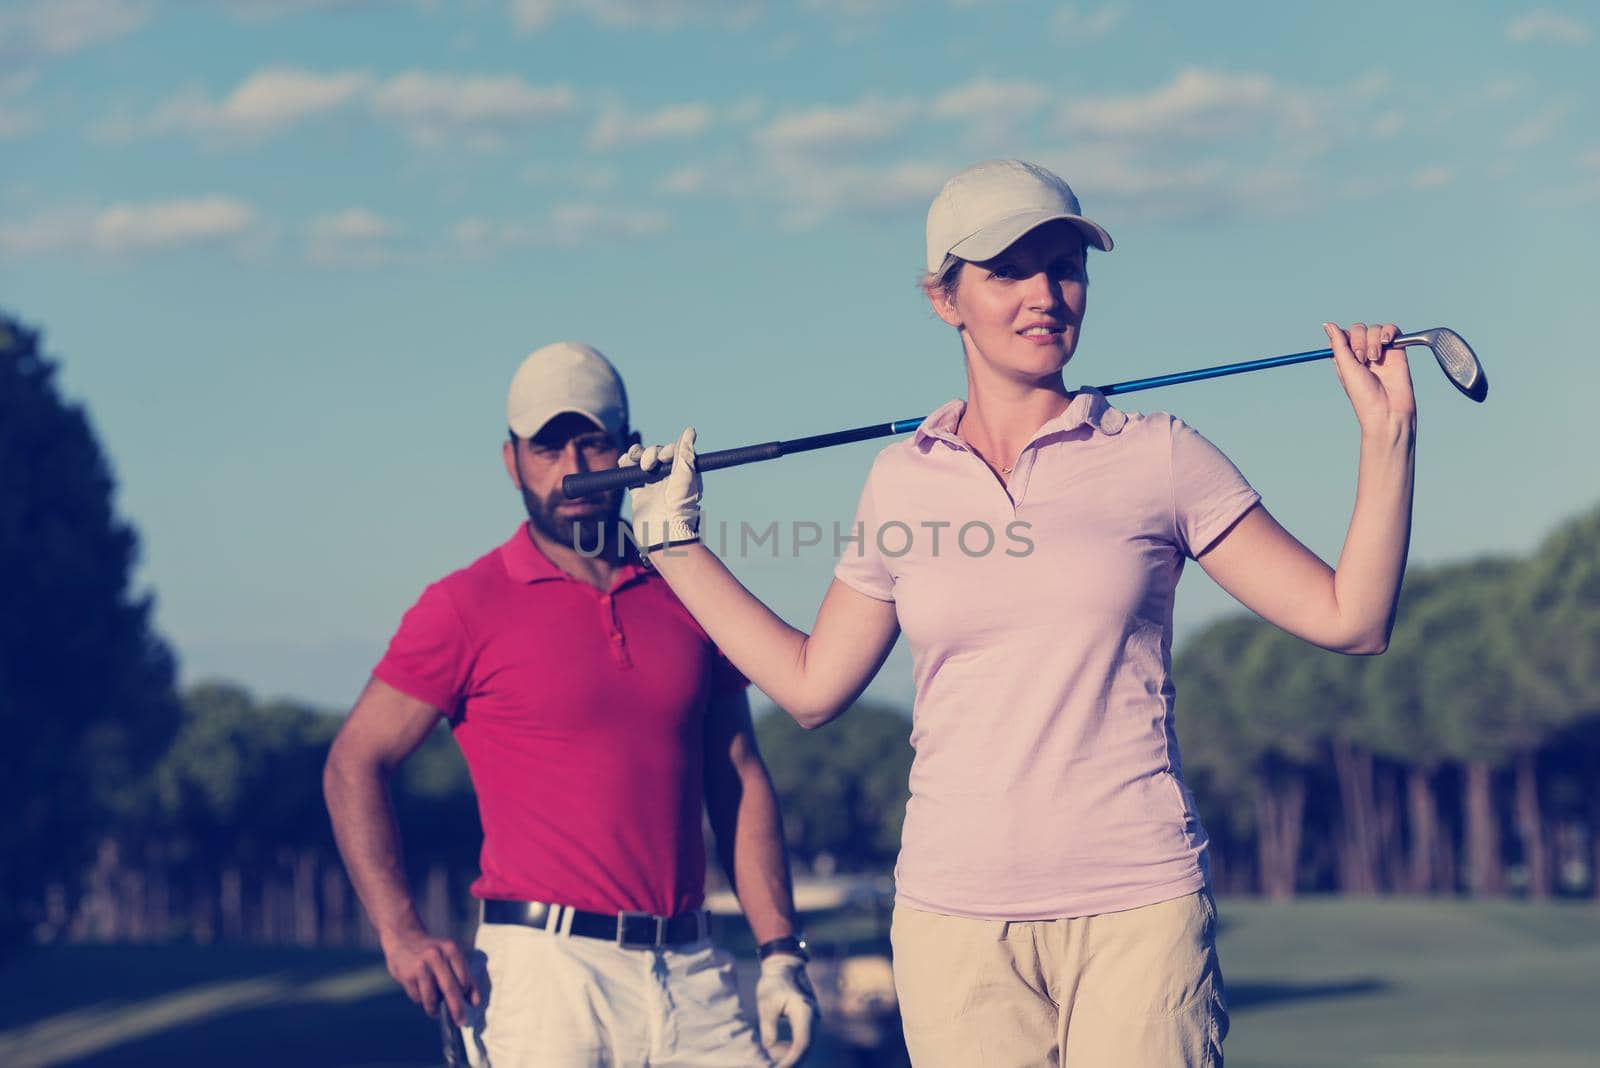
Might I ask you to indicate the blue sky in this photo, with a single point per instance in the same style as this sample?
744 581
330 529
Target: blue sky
289 252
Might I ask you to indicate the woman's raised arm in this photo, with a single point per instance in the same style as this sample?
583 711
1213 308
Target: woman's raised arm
1350 608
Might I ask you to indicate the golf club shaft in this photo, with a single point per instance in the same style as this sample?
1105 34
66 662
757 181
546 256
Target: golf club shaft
599 481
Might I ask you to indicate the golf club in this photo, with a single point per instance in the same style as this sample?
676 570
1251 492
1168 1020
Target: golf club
1455 356
451 1044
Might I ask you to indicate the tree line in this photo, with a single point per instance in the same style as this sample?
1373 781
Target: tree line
1466 758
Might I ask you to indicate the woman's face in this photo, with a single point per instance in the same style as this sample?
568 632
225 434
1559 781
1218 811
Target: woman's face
1022 311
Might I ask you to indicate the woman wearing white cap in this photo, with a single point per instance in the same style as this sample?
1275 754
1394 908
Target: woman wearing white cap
1051 892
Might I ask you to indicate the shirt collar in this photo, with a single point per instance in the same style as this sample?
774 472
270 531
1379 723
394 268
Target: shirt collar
1088 407
525 562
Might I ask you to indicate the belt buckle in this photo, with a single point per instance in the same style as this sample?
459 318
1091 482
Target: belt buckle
654 941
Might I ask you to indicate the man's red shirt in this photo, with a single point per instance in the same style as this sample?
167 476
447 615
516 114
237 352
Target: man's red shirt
582 716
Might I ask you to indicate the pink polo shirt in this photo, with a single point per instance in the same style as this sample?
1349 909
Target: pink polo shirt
1047 781
582 717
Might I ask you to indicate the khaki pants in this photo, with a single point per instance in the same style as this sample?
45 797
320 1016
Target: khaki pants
1135 989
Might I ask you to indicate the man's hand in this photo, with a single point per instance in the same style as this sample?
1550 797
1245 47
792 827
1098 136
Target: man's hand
784 991
430 970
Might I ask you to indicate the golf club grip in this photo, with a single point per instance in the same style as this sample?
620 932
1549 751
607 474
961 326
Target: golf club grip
451 1044
590 482
744 454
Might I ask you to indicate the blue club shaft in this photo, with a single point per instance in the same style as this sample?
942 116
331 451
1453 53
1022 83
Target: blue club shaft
1214 372
600 481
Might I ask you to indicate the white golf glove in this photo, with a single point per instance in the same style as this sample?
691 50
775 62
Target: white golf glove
784 992
665 511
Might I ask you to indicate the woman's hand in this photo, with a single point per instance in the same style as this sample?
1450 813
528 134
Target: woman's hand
666 510
1375 377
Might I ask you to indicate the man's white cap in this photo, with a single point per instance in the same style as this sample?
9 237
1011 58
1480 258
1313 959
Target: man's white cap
568 376
983 210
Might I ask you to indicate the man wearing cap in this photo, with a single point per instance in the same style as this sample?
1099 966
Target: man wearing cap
597 721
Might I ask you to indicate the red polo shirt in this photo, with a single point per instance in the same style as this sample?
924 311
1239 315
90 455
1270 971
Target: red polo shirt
582 717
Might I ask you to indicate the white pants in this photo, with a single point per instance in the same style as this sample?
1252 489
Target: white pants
551 1001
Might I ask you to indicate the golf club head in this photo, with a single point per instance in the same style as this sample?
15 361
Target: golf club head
1455 357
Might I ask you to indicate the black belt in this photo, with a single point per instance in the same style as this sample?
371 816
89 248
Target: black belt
630 930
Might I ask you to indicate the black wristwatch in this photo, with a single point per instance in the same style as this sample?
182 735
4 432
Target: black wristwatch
794 945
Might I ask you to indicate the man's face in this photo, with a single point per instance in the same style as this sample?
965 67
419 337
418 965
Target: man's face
568 444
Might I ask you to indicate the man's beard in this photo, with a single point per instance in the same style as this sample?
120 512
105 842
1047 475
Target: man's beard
586 534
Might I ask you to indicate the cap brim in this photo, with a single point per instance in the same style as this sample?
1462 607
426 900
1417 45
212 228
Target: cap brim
999 236
528 424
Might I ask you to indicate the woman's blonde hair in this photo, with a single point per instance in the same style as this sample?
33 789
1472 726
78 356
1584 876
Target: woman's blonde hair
945 280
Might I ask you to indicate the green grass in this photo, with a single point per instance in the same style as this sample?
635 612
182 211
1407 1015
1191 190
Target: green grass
1314 984
1343 983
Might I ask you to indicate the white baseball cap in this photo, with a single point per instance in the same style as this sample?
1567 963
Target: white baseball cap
568 376
983 210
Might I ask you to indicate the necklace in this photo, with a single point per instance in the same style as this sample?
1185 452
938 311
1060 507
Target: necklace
1005 472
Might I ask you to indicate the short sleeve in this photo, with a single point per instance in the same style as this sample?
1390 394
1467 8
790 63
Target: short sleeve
1209 495
861 565
429 658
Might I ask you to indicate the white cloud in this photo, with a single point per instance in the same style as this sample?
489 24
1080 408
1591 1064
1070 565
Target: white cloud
1089 25
436 107
746 110
275 98
582 174
1166 153
529 15
809 194
1537 128
130 229
356 237
1195 105
672 13
987 100
355 224
686 181
1389 124
1119 183
1432 178
430 107
995 114
1501 89
532 14
62 27
1200 144
853 9
1590 160
1548 27
574 223
566 225
826 131
14 120
265 9
617 128
265 103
